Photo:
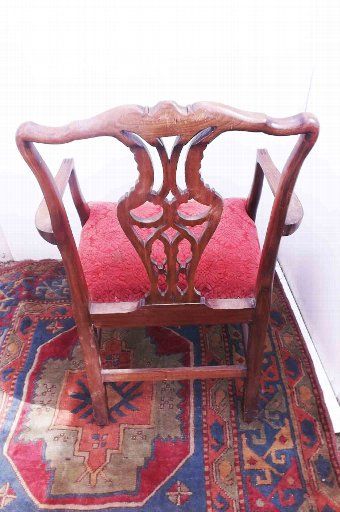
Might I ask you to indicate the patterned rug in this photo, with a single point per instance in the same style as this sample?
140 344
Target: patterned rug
170 445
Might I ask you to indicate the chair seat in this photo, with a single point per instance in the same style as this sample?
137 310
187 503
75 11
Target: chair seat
115 273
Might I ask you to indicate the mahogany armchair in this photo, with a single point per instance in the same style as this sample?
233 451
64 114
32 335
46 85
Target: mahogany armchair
170 256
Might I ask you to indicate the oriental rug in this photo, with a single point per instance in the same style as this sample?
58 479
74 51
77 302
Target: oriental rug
170 446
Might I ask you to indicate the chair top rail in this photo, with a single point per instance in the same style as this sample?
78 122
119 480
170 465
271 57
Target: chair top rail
168 119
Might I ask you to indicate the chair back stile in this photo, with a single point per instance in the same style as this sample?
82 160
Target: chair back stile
62 231
281 204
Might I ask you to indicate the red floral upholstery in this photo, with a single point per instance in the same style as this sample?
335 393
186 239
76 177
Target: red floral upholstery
114 272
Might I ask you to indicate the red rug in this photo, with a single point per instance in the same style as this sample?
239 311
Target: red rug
170 445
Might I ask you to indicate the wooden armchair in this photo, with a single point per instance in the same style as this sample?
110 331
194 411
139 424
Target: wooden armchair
170 256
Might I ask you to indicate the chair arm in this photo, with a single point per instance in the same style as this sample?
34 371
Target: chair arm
265 167
65 175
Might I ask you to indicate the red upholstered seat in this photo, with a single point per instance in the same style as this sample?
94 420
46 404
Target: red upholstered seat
114 272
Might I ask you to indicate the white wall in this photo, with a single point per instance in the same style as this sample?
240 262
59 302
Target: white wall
66 60
311 259
5 252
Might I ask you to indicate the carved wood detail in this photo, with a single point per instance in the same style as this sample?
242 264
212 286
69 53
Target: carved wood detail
171 280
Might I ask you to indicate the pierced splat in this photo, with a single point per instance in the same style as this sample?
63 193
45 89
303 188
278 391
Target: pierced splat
173 217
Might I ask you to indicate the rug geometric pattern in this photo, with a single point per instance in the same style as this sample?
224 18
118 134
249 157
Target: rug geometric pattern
169 445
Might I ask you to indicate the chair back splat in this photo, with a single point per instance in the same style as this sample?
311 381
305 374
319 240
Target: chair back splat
171 274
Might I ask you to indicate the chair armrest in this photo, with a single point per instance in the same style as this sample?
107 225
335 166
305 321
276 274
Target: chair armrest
65 175
265 167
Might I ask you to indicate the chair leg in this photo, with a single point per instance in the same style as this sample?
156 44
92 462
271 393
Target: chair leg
255 350
97 388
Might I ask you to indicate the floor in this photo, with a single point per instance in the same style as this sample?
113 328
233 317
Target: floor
329 396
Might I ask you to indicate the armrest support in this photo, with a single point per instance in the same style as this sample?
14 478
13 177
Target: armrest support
66 175
265 167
